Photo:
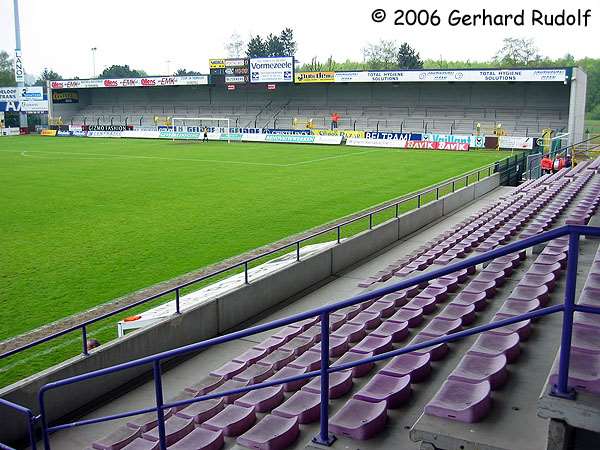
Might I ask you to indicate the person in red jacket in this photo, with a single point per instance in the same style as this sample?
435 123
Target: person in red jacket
546 165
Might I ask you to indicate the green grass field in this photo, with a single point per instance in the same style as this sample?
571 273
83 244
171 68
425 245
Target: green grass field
87 220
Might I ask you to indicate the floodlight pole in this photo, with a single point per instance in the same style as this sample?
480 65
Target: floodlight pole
94 61
20 84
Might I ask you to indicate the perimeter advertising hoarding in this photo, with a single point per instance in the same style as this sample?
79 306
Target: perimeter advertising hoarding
272 70
189 80
314 77
485 75
17 94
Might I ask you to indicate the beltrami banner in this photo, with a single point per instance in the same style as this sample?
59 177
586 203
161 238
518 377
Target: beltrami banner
476 75
345 133
393 135
189 80
272 70
516 142
314 77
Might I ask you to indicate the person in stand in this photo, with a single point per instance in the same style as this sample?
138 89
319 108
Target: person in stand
547 165
92 343
335 118
205 137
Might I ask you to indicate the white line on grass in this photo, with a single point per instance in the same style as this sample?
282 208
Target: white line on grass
26 153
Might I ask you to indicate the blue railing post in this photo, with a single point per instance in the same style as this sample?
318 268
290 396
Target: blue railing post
561 389
84 339
162 443
324 438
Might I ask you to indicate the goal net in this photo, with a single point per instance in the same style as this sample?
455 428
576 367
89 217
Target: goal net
194 127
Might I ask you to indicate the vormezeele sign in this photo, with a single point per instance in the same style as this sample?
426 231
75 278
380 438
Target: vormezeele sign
483 75
190 80
272 70
17 94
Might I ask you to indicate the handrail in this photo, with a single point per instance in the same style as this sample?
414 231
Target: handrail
31 419
561 389
452 182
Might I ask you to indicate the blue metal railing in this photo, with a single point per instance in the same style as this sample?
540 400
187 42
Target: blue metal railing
561 388
31 421
450 184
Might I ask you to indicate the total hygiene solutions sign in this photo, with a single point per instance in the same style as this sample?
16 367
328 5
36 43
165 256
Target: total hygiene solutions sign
272 70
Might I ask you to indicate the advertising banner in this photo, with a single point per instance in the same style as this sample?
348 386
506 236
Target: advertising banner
272 70
141 134
17 94
188 80
363 142
516 142
314 77
109 127
29 106
473 141
216 63
46 132
236 79
104 134
485 75
346 133
19 70
285 131
392 135
65 97
167 134
10 131
433 145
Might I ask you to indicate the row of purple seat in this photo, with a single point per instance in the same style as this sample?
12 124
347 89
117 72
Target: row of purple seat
578 169
587 206
296 349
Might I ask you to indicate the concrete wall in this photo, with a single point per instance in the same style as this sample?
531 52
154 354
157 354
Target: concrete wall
577 106
217 316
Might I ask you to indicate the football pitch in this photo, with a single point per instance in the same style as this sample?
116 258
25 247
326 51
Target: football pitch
87 220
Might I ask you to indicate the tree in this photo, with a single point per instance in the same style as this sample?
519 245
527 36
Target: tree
272 45
408 58
184 72
288 44
382 55
256 47
235 46
46 75
517 52
7 75
117 71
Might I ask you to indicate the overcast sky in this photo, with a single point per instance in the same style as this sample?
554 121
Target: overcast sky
145 34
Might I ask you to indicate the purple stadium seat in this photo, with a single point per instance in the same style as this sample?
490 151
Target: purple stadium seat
263 399
437 352
339 384
352 356
414 317
118 438
175 428
393 390
348 312
354 332
145 422
584 371
478 287
271 433
370 320
457 400
287 333
359 420
515 307
310 360
424 302
313 333
228 386
288 371
337 346
277 359
448 282
474 368
141 444
528 293
417 366
440 327
255 373
305 406
386 309
205 385
374 344
233 420
544 269
548 280
229 369
587 320
200 439
523 328
252 355
589 297
586 339
298 345
479 300
399 298
466 313
489 344
305 324
489 276
270 344
397 330
336 321
203 410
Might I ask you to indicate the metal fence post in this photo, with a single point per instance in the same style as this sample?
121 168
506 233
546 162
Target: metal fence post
338 234
397 209
419 201
370 221
246 272
561 389
298 251
84 340
437 193
162 443
453 186
177 309
324 438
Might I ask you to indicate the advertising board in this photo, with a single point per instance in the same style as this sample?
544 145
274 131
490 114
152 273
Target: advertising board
272 70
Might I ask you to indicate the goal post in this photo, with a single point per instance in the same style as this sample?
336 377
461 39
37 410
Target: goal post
201 122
